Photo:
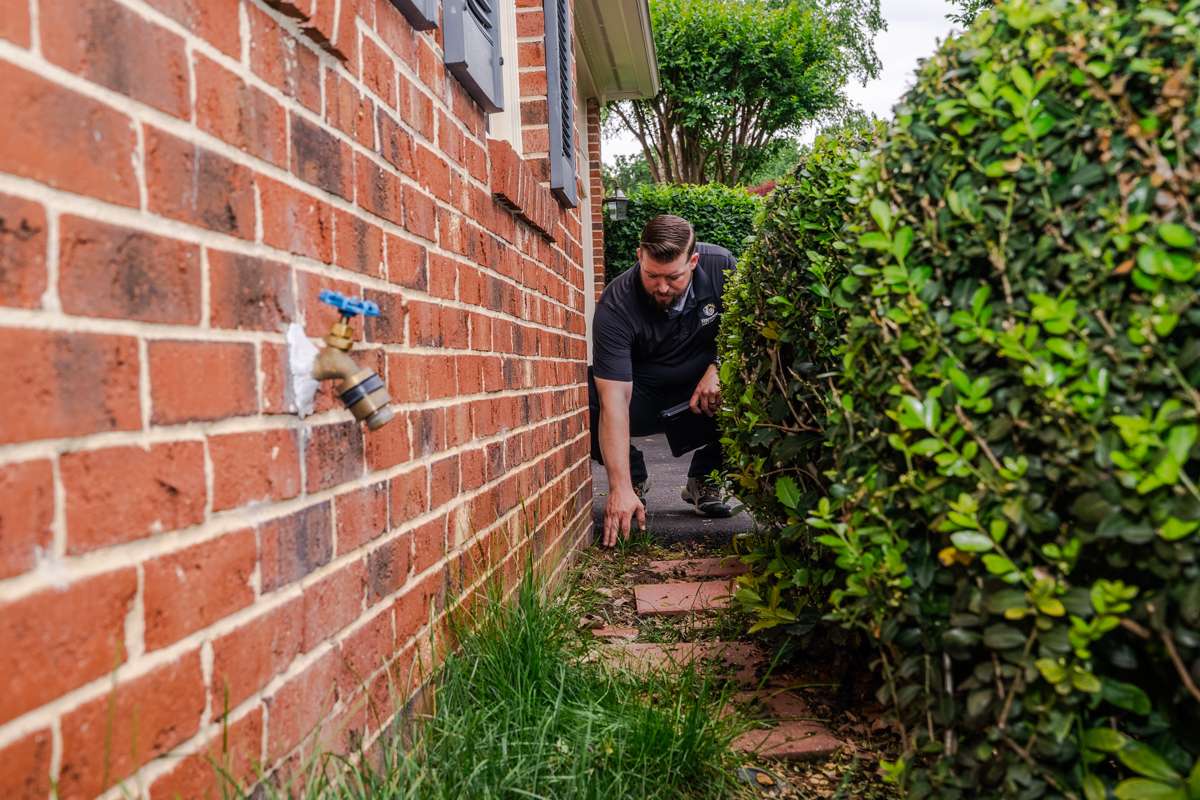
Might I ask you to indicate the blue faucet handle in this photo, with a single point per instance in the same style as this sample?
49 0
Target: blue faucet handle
349 306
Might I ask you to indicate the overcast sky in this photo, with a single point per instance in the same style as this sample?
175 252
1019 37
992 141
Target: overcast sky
914 28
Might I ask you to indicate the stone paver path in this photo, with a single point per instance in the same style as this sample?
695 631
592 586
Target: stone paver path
791 731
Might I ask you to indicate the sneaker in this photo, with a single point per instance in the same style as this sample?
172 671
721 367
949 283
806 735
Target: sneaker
707 497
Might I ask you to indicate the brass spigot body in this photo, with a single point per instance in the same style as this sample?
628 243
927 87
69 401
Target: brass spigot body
362 390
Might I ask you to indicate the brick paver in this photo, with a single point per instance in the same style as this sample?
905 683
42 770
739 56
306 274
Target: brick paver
792 741
740 661
681 598
726 567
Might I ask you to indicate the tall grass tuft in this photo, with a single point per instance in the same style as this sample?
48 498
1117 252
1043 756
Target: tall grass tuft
521 711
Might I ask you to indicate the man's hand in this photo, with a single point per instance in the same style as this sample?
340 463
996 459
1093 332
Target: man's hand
707 397
623 505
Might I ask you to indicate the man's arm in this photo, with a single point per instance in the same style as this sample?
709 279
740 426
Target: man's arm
623 504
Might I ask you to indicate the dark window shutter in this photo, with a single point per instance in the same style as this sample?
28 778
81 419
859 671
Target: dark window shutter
561 100
472 35
421 14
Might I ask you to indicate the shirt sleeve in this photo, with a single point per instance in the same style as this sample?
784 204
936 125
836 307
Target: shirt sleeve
612 346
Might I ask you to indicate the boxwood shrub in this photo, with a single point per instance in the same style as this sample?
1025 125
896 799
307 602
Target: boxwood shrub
1009 479
720 214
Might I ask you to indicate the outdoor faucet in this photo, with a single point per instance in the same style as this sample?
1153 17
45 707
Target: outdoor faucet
362 390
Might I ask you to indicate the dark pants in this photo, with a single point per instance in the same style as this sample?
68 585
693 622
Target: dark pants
690 432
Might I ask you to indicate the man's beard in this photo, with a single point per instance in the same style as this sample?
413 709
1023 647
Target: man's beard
665 305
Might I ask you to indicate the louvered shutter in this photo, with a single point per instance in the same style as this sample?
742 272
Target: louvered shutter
421 14
560 63
472 38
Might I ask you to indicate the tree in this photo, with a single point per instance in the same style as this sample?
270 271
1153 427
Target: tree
739 75
627 173
969 10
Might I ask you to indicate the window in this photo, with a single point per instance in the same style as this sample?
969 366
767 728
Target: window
506 124
472 37
421 14
560 63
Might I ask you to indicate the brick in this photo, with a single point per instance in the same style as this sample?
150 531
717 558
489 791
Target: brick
25 766
791 741
296 222
233 753
81 628
362 516
443 481
379 72
299 706
419 214
429 544
395 144
79 37
367 650
197 186
433 173
121 273
108 738
249 293
333 603
193 588
358 245
417 605
389 446
279 59
85 383
26 513
275 385
14 24
387 567
319 158
349 112
379 190
201 381
215 20
22 252
64 140
295 545
254 467
124 493
334 454
409 495
406 263
242 115
248 657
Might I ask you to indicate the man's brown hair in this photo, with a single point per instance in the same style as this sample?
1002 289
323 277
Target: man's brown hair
667 236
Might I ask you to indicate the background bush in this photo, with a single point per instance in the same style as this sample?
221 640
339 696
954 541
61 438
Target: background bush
1009 486
721 215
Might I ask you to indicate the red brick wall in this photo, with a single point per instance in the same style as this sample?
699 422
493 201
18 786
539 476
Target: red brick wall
183 562
597 185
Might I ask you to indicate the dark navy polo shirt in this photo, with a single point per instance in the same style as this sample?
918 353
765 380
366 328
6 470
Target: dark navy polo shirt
634 340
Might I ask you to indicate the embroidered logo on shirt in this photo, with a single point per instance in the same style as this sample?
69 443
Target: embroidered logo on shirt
708 314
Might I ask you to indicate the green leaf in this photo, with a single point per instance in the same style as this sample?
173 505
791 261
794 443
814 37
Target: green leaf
1175 529
1051 670
1003 637
1142 789
998 565
882 214
1176 235
971 542
1105 740
903 243
875 241
1194 781
787 492
1093 788
1022 80
1085 681
911 413
1125 695
1143 760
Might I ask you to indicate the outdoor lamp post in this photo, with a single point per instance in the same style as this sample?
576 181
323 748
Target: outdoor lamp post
617 204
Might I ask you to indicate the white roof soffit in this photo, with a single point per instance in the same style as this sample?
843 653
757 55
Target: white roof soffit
618 45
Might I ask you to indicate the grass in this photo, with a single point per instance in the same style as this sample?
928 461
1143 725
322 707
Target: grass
522 711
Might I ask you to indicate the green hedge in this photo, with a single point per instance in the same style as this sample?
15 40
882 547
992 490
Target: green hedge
1008 485
720 214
